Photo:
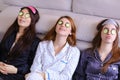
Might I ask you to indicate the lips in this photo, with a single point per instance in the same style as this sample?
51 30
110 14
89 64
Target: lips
21 21
108 37
61 29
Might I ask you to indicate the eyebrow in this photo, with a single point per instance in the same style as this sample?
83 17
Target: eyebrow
24 12
108 28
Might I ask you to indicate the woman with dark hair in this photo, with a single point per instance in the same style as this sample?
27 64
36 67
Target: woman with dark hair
19 44
57 55
102 61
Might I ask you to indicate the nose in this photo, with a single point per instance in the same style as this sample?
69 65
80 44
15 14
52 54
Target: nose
109 32
23 16
63 25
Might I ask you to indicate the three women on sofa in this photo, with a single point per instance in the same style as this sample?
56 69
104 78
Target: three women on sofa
19 44
102 61
57 55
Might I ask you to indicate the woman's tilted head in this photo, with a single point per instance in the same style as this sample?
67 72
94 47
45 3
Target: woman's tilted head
69 30
28 13
107 31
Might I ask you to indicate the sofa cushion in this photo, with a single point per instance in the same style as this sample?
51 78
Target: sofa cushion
86 24
105 8
7 17
2 5
83 44
45 23
51 4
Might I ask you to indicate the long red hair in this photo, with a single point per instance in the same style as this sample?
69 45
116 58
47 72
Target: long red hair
71 38
115 50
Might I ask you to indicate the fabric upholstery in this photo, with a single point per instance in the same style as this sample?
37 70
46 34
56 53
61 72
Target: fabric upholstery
104 8
51 4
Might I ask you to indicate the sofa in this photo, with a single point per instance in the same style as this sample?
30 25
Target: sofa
86 14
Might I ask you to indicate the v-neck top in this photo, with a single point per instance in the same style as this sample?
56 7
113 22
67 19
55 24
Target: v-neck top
90 65
56 67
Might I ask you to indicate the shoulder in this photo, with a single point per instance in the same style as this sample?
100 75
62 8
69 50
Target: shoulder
36 41
45 43
87 52
74 51
74 48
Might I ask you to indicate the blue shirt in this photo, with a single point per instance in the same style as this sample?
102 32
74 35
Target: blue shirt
90 65
55 67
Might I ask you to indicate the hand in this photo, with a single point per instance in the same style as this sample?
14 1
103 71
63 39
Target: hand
1 63
10 69
42 74
26 75
3 68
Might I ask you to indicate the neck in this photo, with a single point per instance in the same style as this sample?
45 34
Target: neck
21 30
59 43
19 34
60 40
105 48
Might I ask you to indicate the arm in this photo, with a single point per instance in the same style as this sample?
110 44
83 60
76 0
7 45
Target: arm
67 72
79 73
119 72
36 66
23 69
33 51
23 63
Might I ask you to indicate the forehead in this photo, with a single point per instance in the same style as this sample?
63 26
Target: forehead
64 20
110 26
25 10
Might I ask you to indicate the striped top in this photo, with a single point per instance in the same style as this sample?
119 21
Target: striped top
56 67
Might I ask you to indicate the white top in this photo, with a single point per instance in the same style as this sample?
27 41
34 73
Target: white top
59 67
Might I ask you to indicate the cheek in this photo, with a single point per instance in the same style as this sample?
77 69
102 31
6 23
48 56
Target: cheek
69 29
28 22
102 35
115 36
56 28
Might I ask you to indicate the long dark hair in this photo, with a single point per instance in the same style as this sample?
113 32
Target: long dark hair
26 39
115 49
71 38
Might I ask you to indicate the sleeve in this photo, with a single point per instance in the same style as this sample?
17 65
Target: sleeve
23 69
79 73
37 62
33 51
119 72
0 47
68 71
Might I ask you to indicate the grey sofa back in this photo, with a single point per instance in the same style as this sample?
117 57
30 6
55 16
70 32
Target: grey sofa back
102 8
86 14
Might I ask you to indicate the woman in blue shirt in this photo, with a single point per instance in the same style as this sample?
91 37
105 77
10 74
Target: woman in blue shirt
18 46
102 61
57 56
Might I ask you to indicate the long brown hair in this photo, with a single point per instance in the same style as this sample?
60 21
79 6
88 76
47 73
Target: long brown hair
71 38
115 49
26 39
